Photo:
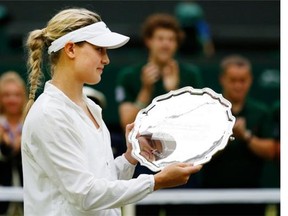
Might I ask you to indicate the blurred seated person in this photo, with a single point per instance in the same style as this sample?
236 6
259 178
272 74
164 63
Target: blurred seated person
138 84
12 101
198 38
240 163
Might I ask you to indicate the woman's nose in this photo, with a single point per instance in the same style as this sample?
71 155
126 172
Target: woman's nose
105 59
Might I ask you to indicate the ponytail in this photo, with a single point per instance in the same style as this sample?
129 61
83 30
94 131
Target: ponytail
35 44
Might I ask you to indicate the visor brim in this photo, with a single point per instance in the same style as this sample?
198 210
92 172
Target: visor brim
109 40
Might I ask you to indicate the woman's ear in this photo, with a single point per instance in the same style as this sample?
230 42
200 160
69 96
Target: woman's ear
69 49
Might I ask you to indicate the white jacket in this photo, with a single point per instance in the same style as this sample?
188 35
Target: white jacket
68 165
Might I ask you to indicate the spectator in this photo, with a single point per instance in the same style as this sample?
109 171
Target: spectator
12 101
240 164
68 164
161 72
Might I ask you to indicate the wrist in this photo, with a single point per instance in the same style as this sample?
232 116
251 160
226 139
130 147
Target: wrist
143 98
146 89
140 105
157 181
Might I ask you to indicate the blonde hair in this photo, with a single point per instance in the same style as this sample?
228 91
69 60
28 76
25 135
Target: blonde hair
62 23
12 77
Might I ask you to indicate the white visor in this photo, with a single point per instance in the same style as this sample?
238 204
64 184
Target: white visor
97 34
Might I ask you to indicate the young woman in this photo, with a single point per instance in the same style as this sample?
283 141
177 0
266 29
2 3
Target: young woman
68 164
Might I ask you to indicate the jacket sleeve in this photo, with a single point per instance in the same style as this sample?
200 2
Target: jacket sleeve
125 169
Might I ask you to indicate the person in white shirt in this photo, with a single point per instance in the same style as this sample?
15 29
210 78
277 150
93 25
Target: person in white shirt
68 165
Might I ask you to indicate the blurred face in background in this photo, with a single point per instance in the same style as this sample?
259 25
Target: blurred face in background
236 82
162 45
12 98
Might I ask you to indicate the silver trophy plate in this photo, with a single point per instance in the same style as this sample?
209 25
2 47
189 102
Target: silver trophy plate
185 125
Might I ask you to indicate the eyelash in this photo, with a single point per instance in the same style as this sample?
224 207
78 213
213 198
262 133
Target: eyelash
99 49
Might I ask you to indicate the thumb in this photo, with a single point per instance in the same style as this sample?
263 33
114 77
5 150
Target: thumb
129 127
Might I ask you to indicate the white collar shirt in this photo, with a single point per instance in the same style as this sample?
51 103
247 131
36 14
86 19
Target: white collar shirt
68 165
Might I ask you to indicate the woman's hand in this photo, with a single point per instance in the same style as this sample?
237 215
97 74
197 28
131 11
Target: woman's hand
174 175
127 154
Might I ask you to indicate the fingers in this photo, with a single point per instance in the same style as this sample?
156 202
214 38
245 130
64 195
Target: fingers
127 154
150 74
239 128
240 122
175 174
129 127
194 169
190 167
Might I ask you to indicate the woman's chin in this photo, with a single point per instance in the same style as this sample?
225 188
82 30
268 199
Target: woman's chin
94 82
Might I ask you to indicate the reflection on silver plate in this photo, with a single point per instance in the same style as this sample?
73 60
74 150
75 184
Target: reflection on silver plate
185 125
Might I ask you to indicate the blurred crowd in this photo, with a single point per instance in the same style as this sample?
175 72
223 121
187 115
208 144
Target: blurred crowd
252 160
